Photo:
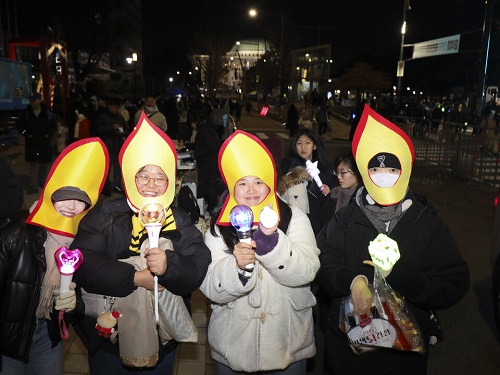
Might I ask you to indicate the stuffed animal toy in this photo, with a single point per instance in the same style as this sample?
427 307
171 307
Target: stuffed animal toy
106 321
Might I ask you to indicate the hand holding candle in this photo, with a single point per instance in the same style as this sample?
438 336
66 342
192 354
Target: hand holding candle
241 217
67 262
312 169
268 217
152 215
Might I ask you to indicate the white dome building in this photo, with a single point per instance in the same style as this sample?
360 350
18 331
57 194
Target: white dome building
243 55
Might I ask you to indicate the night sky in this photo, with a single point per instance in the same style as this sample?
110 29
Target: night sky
356 30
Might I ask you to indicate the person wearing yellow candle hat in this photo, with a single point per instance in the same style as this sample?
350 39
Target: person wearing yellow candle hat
429 271
114 231
261 320
30 341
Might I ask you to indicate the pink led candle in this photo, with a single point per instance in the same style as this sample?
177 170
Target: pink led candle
68 262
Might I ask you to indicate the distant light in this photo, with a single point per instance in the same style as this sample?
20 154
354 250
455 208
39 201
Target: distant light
190 73
33 76
195 68
403 29
171 79
414 92
408 88
307 55
329 80
238 43
178 72
134 56
129 60
298 68
252 12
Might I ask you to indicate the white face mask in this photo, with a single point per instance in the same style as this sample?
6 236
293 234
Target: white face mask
384 180
149 108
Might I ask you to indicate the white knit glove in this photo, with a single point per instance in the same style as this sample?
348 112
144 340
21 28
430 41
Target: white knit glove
67 300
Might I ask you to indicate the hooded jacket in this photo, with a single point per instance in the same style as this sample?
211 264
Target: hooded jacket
431 273
292 188
265 323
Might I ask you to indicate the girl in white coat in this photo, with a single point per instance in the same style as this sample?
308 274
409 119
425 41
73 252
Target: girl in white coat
261 320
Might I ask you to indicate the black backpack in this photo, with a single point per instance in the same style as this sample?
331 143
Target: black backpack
188 202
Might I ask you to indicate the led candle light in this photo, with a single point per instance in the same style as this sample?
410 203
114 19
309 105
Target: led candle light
268 217
241 218
68 262
152 215
384 252
312 169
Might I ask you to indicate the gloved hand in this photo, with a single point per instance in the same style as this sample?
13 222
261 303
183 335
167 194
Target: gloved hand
361 295
67 300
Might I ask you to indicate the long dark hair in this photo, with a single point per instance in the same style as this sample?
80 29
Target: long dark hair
294 159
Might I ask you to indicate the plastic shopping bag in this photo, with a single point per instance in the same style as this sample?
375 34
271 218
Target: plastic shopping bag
390 324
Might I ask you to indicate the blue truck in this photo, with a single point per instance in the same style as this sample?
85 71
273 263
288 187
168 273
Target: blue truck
15 89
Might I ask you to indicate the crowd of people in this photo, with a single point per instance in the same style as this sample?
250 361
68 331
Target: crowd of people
285 235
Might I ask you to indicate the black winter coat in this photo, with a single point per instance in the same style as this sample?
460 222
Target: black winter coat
112 138
206 151
104 236
37 131
22 267
321 207
431 274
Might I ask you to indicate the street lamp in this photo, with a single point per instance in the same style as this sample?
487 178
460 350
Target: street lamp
133 60
401 63
253 13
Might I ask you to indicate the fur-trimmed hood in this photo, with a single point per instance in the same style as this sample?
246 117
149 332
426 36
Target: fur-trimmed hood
297 175
292 188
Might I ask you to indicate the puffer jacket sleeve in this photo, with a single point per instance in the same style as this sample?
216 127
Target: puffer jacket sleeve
294 261
187 265
222 283
444 277
336 274
101 272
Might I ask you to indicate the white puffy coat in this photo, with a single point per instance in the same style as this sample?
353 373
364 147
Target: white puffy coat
267 323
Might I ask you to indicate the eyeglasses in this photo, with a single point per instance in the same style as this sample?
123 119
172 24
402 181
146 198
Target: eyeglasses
341 173
143 179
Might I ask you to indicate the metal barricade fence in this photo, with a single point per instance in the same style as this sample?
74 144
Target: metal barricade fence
465 151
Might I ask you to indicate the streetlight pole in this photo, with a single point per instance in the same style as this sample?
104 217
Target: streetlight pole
281 55
485 48
400 70
253 14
